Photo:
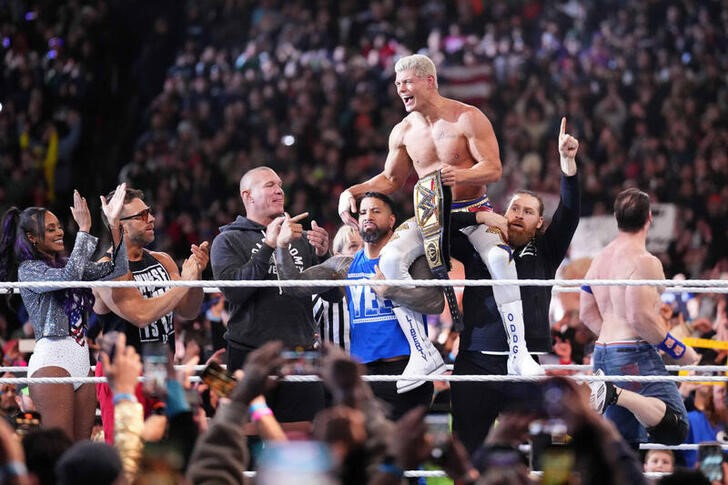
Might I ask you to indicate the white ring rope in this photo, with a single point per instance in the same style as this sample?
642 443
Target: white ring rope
407 473
555 367
442 474
554 289
680 284
413 377
24 369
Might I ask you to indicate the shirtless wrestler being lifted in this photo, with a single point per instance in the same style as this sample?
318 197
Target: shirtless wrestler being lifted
458 140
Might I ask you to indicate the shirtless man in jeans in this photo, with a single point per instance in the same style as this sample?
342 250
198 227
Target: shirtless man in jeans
458 140
630 330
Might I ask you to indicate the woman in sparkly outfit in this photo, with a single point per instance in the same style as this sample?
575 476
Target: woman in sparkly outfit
31 249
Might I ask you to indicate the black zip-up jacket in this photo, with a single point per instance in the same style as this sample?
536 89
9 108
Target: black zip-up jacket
258 315
538 259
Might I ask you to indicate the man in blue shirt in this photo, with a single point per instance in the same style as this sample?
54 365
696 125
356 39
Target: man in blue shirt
386 323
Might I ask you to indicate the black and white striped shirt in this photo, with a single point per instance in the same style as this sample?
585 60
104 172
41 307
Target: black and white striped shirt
332 321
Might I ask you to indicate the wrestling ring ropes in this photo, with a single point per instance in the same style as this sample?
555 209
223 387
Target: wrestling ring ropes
559 286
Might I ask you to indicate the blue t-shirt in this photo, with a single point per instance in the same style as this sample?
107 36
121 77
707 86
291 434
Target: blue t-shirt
699 430
375 333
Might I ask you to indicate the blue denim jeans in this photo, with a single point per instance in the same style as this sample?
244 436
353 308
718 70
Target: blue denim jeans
639 358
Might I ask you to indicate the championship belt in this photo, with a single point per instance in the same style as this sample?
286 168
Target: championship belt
432 214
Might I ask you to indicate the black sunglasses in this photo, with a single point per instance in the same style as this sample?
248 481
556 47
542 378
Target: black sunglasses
143 215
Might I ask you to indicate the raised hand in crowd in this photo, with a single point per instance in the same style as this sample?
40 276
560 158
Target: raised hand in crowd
598 446
12 458
407 448
123 367
259 367
343 378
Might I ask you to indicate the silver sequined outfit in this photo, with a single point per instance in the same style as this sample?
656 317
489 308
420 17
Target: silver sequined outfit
46 312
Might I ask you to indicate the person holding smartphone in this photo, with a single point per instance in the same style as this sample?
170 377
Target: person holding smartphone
32 249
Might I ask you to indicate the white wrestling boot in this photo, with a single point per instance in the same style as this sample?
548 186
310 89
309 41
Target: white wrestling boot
424 357
520 362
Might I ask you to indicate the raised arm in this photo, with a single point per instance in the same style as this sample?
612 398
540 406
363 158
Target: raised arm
79 265
38 270
397 168
483 148
557 238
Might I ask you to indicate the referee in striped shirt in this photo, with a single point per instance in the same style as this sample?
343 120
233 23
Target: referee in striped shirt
332 318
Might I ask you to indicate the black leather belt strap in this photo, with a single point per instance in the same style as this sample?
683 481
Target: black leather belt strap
432 202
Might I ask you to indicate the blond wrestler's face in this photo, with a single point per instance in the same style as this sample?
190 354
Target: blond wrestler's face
523 219
413 89
375 219
138 221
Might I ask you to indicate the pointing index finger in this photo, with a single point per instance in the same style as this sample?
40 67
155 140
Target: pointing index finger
562 131
299 217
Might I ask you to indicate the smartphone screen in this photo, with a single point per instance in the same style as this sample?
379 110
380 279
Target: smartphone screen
438 427
558 464
710 458
300 362
218 380
27 421
154 363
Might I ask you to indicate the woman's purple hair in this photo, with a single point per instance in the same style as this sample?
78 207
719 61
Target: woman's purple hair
15 247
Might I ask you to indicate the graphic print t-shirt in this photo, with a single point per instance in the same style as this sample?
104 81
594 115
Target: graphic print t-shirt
375 332
162 330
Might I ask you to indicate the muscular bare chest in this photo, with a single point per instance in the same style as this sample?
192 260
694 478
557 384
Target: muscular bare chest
431 146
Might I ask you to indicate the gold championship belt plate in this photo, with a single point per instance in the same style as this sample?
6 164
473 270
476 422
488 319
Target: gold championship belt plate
432 202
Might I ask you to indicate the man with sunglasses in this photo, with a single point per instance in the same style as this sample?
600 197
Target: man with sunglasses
145 314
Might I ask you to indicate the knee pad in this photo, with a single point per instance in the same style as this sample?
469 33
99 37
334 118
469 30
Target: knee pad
499 260
494 252
401 251
671 430
391 262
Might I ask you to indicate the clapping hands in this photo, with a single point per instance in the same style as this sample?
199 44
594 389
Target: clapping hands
112 208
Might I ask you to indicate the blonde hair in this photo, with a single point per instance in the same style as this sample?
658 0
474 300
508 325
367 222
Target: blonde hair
342 237
420 64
